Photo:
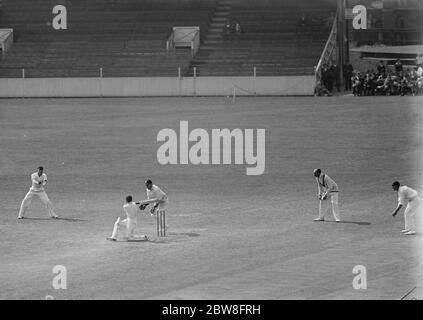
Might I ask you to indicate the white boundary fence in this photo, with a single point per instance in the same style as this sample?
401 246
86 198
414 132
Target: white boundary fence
156 86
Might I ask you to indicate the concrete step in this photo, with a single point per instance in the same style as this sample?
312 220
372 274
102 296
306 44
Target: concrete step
213 36
223 8
215 30
217 25
218 19
210 42
207 47
222 13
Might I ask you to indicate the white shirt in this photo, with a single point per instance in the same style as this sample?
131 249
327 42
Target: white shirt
156 193
131 210
38 182
406 194
326 184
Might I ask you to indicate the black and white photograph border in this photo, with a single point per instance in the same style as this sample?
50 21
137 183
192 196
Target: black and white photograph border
239 150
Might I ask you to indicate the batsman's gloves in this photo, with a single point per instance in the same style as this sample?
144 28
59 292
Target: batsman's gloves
154 208
143 206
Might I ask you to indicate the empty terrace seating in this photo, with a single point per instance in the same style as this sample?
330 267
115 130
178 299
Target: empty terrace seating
270 39
123 37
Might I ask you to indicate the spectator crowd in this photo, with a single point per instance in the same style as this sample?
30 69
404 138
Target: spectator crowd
385 80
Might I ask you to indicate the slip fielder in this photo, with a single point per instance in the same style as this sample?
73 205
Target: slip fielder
408 196
328 189
38 180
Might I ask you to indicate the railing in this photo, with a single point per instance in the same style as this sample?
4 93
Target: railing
180 71
329 53
195 43
170 41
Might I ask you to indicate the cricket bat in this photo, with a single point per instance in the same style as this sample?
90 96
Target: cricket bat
143 202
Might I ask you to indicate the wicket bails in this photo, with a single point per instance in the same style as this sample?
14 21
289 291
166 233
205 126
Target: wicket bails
161 223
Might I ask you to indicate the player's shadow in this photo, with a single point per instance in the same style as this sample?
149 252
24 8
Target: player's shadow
360 223
57 219
188 234
144 242
159 241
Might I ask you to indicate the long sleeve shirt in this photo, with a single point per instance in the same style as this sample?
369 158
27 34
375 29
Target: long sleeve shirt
326 185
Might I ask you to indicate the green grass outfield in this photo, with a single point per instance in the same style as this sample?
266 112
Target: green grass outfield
231 236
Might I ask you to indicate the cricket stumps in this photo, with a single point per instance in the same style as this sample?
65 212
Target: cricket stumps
161 223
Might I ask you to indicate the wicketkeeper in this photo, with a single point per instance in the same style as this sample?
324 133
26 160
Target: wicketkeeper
154 192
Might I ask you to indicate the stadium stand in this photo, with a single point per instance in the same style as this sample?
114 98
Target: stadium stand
395 23
269 38
128 37
123 37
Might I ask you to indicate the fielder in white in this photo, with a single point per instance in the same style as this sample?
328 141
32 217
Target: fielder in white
409 197
130 223
154 192
328 189
38 180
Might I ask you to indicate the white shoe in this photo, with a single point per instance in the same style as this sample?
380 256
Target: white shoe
410 233
405 230
55 217
20 217
337 221
111 239
319 219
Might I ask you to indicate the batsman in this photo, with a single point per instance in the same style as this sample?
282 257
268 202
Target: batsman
328 190
130 223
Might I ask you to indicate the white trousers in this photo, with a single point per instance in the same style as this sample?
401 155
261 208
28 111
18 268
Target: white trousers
409 213
163 205
324 206
42 195
130 226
